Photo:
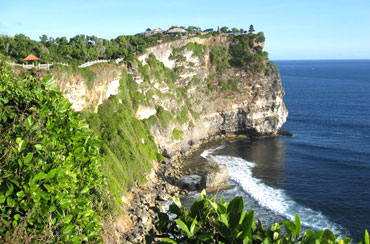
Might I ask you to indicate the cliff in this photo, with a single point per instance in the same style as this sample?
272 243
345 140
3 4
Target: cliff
211 96
172 98
253 106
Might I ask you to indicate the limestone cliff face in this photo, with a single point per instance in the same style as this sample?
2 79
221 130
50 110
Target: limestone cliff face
253 106
256 109
75 87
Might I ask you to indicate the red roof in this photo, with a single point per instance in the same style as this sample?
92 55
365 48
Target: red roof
31 57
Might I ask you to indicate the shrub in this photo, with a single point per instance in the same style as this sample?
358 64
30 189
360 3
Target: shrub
208 221
51 185
198 49
164 116
176 134
182 116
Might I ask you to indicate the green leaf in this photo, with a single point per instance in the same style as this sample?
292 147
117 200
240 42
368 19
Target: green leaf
267 241
37 177
289 225
2 198
10 190
28 158
168 240
329 235
197 207
223 218
38 147
28 122
183 227
236 205
21 144
222 228
366 238
10 202
175 209
68 218
16 217
68 229
5 118
345 240
194 228
246 240
176 201
51 173
297 223
21 194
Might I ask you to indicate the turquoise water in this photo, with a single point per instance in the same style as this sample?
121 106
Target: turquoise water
323 172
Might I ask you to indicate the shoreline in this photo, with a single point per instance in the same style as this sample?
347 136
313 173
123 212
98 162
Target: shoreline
143 203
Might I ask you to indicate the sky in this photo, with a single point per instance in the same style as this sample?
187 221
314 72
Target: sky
294 29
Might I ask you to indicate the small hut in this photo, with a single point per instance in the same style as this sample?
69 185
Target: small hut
31 57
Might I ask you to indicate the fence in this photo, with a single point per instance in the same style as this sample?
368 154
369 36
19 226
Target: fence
47 66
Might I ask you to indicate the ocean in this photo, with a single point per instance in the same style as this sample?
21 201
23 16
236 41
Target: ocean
323 172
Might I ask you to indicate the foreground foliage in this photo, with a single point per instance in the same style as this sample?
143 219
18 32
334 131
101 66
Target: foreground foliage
51 187
208 221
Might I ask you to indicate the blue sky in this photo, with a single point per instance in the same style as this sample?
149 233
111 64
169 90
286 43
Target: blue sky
294 29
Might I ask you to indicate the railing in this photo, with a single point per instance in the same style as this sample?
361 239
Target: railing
31 66
87 64
47 66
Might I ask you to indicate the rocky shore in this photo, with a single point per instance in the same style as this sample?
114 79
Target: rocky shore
144 202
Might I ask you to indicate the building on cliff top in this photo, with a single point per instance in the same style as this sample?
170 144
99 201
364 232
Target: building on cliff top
150 32
176 30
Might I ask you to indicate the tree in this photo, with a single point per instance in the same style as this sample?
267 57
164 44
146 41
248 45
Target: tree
224 29
251 29
234 30
43 39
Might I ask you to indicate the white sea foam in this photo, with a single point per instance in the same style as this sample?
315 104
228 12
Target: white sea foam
208 152
276 200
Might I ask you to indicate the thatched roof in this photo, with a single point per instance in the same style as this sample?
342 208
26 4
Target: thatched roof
31 57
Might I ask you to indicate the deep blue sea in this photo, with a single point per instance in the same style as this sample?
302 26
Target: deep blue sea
323 172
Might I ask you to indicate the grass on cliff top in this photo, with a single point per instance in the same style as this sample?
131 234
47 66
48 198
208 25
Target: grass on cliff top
89 75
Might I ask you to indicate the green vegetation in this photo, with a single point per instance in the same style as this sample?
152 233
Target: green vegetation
219 58
230 85
85 72
245 51
51 185
78 49
128 149
198 49
176 134
178 53
182 116
159 71
208 221
164 116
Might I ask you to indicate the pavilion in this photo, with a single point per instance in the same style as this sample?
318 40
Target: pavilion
31 57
